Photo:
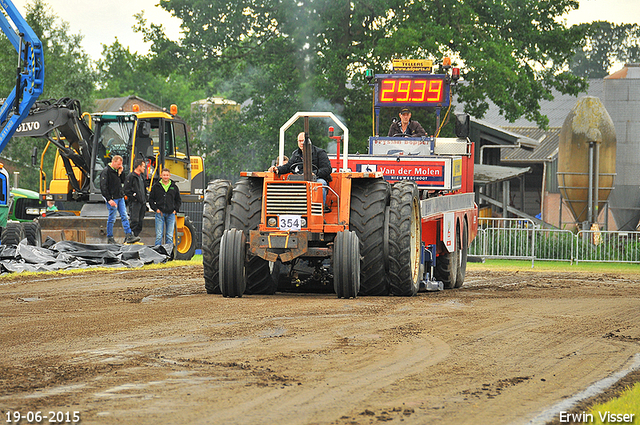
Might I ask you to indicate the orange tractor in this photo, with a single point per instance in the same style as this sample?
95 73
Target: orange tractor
397 223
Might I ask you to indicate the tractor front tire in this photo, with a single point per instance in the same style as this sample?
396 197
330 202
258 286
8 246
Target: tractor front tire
346 264
232 263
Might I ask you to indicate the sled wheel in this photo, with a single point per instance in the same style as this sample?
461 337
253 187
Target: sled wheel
462 257
447 264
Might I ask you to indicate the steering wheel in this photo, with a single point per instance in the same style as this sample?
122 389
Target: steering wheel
402 135
298 166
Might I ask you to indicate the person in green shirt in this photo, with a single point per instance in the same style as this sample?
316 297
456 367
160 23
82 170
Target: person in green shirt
164 199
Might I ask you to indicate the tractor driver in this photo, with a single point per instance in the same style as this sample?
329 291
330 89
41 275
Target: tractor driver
406 127
319 160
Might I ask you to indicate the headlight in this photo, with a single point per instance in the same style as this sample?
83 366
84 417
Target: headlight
303 222
272 222
33 211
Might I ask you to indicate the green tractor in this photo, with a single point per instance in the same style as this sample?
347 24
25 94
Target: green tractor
24 207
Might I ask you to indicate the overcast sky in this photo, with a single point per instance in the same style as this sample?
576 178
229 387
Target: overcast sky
101 21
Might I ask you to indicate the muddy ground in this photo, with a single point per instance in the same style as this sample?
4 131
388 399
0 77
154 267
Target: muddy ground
150 347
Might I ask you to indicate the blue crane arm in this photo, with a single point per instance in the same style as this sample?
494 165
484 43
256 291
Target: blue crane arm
29 75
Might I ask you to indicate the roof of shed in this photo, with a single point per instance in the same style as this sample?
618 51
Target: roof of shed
485 174
546 151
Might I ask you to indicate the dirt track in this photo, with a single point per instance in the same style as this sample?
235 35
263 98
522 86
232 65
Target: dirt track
151 347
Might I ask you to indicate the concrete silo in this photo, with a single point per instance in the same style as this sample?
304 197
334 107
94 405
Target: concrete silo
586 159
622 100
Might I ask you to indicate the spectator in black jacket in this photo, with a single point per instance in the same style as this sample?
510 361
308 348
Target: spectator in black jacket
406 127
164 199
319 160
111 179
136 193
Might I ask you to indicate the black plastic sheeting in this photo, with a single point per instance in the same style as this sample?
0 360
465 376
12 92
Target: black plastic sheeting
67 255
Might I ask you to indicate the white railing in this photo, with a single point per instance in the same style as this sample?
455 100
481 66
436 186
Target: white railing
554 245
511 238
521 239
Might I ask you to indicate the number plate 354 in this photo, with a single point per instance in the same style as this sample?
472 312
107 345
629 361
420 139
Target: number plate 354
289 222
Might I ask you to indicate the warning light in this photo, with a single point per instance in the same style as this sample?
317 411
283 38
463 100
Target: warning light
136 107
173 109
331 130
455 74
369 75
446 63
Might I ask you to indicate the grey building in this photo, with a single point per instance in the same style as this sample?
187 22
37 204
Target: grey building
522 145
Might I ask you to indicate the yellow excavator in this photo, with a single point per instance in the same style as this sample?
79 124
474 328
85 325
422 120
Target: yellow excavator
85 144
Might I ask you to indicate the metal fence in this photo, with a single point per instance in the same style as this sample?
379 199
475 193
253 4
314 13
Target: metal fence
521 239
503 238
612 247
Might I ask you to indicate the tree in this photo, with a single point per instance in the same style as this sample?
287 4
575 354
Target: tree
605 44
279 56
68 73
228 146
514 51
123 73
68 69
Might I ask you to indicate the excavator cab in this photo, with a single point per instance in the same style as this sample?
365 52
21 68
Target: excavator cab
113 136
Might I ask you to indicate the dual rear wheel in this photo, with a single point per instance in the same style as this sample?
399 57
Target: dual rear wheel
386 220
216 204
405 239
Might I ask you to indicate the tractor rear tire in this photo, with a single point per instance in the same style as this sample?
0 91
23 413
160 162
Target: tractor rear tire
33 233
464 252
216 204
447 264
12 234
369 200
245 212
186 243
232 263
346 264
405 240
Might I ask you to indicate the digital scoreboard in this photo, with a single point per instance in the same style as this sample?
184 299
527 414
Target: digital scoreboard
419 90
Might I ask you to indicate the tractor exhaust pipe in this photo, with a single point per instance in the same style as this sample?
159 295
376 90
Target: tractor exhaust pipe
306 153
